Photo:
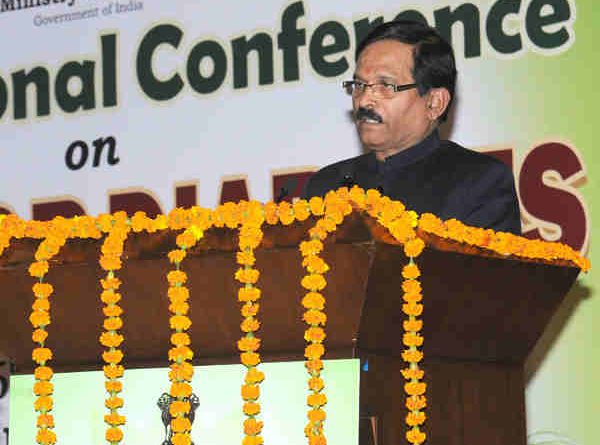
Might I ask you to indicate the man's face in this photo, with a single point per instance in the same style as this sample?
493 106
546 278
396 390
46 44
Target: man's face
405 116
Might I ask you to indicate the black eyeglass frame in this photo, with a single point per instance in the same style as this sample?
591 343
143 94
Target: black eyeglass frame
350 86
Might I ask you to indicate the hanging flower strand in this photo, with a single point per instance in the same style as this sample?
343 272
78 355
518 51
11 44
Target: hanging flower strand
180 354
250 236
40 319
118 228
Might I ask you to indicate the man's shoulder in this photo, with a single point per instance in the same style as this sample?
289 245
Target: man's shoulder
469 161
335 175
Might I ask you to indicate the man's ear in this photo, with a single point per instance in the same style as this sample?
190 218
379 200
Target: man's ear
437 102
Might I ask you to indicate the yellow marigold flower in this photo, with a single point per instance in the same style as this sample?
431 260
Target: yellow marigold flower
248 294
113 356
180 389
252 440
316 415
410 374
110 262
181 372
314 317
314 334
316 384
113 323
253 375
415 436
252 427
180 339
415 388
246 258
43 373
42 290
112 311
286 216
312 247
250 309
180 353
110 297
250 358
186 240
43 388
412 339
114 419
314 282
317 440
250 325
412 298
39 318
414 403
313 300
181 424
180 322
110 283
38 268
39 336
411 271
314 365
414 247
41 355
247 276
412 309
301 209
113 386
113 371
139 221
315 264
43 403
111 339
317 205
246 344
411 286
178 294
314 351
113 434
316 400
412 325
412 356
181 439
45 437
250 392
271 213
250 237
251 408
45 421
176 256
179 408
176 277
179 308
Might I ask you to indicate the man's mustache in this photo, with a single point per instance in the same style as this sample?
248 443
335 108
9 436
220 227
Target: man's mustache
363 113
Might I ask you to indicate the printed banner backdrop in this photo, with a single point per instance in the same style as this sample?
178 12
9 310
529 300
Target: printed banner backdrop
109 105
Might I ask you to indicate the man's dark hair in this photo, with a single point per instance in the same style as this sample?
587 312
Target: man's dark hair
434 65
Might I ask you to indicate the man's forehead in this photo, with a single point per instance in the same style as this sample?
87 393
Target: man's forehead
385 58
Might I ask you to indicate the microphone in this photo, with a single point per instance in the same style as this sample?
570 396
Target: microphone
347 180
288 187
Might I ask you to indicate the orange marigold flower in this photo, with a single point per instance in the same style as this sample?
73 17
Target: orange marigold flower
412 298
314 317
314 365
252 427
314 282
313 300
180 322
39 318
181 372
316 400
114 419
113 402
412 374
412 356
110 339
113 386
180 389
41 355
110 262
412 339
45 437
314 334
412 309
110 283
411 271
250 358
176 277
301 209
414 247
113 356
247 276
38 268
314 351
253 375
181 424
181 439
41 304
113 323
43 403
42 290
176 256
43 388
271 216
112 311
415 436
178 294
248 294
250 309
251 408
250 325
180 353
415 388
317 206
45 421
252 440
411 286
179 408
316 415
250 392
180 339
286 216
112 371
139 221
186 239
250 237
43 373
246 344
246 258
315 264
113 434
317 440
110 297
316 384
414 403
312 247
179 308
412 325
39 336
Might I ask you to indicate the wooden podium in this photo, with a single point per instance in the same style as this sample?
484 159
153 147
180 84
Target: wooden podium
482 317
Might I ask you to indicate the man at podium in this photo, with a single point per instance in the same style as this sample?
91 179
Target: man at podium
402 90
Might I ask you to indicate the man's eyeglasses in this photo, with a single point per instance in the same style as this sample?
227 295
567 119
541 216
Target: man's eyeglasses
382 90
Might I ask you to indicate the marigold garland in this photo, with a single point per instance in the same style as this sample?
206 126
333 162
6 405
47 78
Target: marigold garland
252 218
118 227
